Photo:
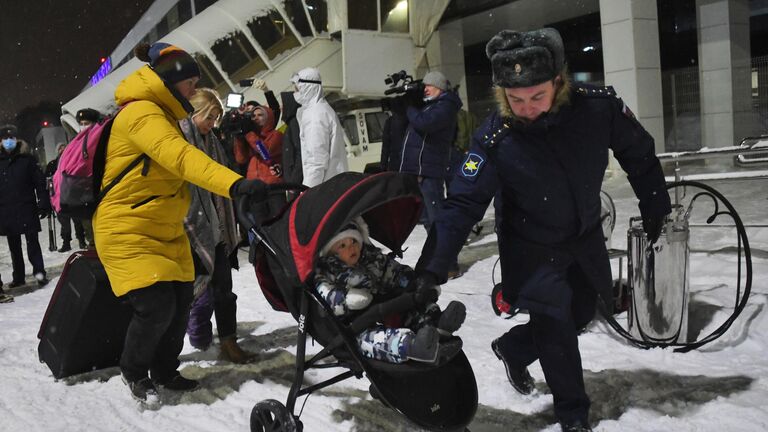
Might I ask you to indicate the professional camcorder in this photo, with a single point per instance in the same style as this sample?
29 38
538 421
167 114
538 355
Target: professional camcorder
409 85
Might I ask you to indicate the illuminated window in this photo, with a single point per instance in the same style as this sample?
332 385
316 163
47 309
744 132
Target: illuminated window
394 16
273 34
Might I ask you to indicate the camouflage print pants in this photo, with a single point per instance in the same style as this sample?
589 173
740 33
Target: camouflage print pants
385 344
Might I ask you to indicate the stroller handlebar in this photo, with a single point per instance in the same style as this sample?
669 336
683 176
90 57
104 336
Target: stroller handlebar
243 205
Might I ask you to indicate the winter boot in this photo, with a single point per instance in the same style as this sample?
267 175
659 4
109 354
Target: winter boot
451 318
65 246
178 383
4 298
16 283
519 377
577 426
41 278
82 244
231 351
424 345
143 390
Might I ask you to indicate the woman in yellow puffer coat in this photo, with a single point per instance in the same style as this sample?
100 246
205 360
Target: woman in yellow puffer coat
138 226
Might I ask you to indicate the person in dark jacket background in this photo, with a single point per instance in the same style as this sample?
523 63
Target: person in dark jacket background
66 222
546 151
23 202
292 170
428 138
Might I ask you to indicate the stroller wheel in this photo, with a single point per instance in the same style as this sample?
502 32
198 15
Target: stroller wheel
272 416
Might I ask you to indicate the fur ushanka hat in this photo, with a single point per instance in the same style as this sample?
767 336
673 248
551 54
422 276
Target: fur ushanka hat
524 59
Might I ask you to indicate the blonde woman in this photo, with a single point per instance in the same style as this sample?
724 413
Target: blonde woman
212 231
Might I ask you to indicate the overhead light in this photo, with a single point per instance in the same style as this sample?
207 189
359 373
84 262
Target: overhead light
402 5
588 48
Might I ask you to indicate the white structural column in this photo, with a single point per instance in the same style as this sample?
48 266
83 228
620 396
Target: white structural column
724 71
445 53
631 60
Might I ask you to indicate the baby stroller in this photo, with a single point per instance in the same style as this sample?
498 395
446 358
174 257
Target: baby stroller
437 397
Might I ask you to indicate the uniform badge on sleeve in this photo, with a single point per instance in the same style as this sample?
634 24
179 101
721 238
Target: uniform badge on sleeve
472 165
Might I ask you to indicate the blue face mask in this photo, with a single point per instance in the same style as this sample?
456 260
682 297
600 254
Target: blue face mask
9 144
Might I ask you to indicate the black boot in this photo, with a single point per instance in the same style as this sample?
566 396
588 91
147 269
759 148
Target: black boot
518 376
577 426
82 244
65 246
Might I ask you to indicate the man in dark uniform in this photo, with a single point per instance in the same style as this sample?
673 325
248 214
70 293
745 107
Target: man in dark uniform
545 151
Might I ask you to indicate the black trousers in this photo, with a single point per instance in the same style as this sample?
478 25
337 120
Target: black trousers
34 254
66 228
155 335
555 344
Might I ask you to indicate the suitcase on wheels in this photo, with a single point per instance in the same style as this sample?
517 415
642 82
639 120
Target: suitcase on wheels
85 324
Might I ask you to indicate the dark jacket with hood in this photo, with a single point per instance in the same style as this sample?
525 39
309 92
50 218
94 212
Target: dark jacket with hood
549 173
292 170
22 192
430 134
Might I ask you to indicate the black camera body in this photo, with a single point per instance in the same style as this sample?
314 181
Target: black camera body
409 85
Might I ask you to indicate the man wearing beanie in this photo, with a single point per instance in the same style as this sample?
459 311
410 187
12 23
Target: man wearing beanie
428 138
545 150
139 224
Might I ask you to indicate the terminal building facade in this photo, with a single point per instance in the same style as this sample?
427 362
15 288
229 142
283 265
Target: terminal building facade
695 72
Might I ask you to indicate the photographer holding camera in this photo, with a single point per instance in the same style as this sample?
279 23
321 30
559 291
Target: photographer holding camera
428 138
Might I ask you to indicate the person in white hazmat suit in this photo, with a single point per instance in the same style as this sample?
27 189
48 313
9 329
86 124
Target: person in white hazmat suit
322 138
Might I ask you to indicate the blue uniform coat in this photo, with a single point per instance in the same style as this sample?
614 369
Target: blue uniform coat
549 174
429 136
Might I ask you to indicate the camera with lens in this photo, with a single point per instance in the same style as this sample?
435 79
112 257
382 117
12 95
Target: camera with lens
409 85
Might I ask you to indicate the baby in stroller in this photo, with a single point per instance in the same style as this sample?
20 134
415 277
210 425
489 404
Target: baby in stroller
352 274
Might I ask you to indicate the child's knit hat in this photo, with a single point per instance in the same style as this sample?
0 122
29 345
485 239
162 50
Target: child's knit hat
356 229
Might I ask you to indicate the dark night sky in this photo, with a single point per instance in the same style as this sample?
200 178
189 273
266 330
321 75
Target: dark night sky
50 48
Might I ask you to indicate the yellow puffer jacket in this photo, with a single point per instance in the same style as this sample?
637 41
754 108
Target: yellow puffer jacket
138 226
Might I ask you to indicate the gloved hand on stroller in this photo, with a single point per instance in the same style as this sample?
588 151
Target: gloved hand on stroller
358 282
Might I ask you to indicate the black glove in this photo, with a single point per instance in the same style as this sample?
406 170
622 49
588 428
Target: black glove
43 212
426 290
255 189
652 226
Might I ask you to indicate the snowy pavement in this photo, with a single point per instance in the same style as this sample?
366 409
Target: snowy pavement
721 387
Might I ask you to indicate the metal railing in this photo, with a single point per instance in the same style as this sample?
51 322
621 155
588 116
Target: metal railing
682 105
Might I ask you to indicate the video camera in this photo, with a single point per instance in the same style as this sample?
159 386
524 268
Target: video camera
409 85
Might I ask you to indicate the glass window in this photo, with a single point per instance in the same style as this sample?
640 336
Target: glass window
394 16
375 123
272 33
295 11
201 5
349 124
210 77
318 11
172 17
237 56
362 14
184 8
162 28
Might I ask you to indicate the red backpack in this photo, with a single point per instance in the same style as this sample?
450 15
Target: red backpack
77 182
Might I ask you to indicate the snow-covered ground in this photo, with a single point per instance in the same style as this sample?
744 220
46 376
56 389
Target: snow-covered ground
721 387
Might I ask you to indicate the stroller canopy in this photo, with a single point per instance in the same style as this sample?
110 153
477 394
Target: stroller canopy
390 203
